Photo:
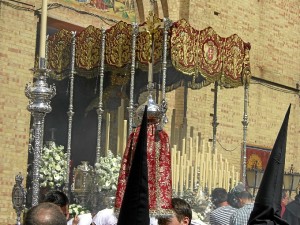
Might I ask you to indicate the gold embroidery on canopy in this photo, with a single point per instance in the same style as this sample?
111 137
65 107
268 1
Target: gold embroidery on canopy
183 40
118 45
88 48
59 54
150 33
209 52
233 61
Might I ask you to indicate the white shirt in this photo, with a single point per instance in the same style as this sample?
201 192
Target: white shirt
84 219
105 217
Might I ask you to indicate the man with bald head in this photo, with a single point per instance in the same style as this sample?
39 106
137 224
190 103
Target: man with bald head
45 214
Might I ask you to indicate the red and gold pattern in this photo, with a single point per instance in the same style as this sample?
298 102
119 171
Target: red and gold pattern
215 58
159 171
209 54
195 53
183 46
234 54
88 48
59 54
150 33
118 45
144 46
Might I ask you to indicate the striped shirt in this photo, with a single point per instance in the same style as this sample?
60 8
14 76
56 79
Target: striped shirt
241 216
221 215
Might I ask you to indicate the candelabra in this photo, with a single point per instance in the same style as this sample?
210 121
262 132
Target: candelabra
39 94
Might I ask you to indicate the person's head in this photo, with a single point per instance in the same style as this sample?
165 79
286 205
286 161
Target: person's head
219 196
58 198
244 198
284 198
182 214
45 214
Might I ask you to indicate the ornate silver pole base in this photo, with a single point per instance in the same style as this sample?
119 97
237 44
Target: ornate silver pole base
18 197
39 95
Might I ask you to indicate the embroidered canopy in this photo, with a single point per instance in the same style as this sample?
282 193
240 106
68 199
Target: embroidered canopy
198 57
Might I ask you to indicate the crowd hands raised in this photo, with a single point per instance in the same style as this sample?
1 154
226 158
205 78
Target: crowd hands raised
54 210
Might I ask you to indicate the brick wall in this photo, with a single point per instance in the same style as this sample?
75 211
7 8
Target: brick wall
17 50
272 28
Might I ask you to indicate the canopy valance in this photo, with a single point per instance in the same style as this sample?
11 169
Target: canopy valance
198 56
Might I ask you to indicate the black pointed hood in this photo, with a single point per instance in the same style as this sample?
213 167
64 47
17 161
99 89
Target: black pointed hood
135 205
267 205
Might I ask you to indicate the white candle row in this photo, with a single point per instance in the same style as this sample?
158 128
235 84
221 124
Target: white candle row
191 168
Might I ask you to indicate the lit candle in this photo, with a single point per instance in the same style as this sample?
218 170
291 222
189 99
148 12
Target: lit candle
203 146
187 174
184 160
124 136
237 178
150 73
107 130
220 176
214 185
177 179
183 146
191 149
181 181
192 178
43 30
197 144
196 174
233 177
209 181
174 153
120 133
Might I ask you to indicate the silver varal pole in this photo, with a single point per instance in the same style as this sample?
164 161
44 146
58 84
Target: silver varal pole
164 106
39 94
100 104
245 126
132 72
215 118
70 113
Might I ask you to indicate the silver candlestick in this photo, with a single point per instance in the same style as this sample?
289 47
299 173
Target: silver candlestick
39 94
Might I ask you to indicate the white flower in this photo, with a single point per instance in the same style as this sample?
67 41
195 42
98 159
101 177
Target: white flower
75 209
53 166
107 171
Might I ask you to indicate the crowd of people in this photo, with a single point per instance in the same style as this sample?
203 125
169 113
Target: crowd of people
54 211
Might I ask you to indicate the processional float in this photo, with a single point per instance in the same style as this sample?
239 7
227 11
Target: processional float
172 55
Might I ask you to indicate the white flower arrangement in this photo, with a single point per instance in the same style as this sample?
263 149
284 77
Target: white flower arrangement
75 209
107 172
53 166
